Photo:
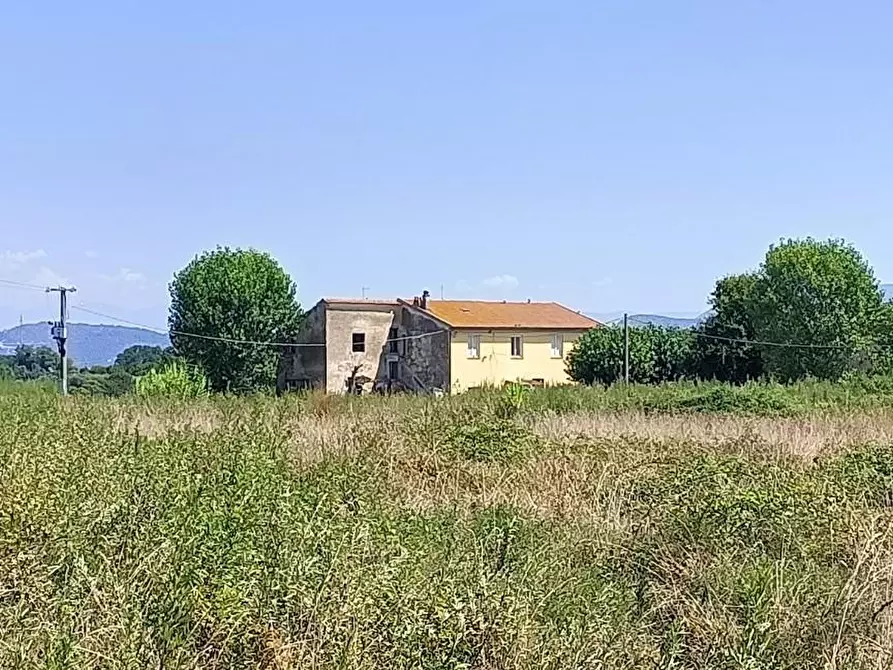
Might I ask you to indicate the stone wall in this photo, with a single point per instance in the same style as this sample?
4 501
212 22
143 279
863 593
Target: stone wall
423 363
426 360
306 366
342 321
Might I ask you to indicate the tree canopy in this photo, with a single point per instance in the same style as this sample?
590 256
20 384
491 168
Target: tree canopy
720 353
140 359
820 294
233 294
656 354
812 309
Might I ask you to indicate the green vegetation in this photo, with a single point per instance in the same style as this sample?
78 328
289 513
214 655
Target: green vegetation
820 293
656 354
671 523
175 380
812 310
41 365
233 294
30 364
721 353
507 529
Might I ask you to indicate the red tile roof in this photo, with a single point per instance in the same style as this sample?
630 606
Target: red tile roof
530 315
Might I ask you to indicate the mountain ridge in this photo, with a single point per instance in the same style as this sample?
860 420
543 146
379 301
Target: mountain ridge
89 344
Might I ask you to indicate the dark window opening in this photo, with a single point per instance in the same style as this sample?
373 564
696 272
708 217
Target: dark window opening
359 343
392 341
393 370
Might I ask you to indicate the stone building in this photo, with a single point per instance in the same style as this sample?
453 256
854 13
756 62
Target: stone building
430 346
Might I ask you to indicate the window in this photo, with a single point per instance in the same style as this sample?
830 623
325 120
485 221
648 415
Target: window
393 370
359 343
517 346
558 346
474 346
392 341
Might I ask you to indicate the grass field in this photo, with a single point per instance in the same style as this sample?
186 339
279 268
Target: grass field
684 527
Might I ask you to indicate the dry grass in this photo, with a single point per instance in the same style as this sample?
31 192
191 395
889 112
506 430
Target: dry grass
396 533
807 437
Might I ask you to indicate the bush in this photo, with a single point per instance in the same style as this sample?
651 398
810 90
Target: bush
657 354
173 381
756 399
492 439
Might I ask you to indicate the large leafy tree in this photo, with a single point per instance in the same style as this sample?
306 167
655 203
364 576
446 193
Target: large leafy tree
818 293
233 294
656 354
721 354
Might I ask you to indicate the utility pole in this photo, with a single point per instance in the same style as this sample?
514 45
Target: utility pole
363 291
626 349
59 331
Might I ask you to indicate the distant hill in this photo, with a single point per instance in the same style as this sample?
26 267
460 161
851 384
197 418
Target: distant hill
88 344
665 321
616 319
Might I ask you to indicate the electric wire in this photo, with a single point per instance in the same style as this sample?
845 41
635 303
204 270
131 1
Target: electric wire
232 340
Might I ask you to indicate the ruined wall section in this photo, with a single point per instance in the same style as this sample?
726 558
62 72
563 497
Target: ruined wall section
341 361
305 367
426 359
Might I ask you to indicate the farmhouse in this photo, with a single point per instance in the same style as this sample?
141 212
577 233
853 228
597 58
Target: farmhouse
430 346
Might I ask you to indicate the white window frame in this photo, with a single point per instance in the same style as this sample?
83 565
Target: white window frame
558 345
473 347
520 339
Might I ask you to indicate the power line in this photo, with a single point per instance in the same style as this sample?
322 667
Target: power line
160 331
761 343
18 284
232 340
215 338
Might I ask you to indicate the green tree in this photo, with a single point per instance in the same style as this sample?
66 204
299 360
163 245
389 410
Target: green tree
819 293
239 295
35 363
597 356
6 367
113 381
656 354
139 359
718 357
879 360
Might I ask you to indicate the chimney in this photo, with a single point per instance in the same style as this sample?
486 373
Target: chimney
425 296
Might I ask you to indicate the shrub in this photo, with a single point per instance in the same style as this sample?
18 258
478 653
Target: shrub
492 439
173 381
657 354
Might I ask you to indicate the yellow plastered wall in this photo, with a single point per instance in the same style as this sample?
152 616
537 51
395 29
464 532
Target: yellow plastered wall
495 364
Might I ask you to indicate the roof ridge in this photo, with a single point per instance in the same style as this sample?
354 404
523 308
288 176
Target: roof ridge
499 302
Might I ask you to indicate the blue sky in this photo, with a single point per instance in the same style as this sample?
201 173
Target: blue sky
612 156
